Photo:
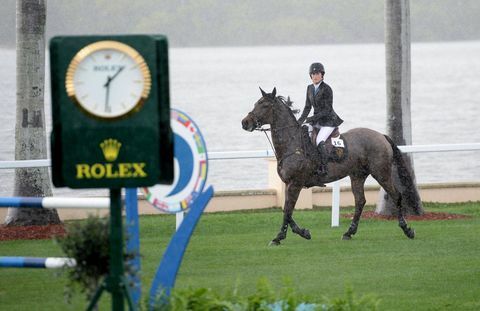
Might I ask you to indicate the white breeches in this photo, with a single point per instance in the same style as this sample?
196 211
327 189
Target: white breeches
325 131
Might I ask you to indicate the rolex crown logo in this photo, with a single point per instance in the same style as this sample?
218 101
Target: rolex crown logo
110 148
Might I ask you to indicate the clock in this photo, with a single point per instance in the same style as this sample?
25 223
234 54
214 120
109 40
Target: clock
108 80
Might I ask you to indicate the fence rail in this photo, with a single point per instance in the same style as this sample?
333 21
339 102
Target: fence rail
266 153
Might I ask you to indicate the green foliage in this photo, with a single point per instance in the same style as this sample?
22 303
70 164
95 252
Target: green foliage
251 22
88 243
265 298
438 270
351 302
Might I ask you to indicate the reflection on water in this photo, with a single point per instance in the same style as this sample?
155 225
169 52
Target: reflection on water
218 86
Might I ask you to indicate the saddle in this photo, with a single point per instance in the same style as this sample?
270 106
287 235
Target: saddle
335 145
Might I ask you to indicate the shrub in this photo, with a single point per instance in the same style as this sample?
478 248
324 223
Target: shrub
265 298
351 302
88 243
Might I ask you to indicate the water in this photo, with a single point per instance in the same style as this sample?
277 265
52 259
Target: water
217 87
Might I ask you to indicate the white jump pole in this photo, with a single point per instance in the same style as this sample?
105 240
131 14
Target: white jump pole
54 202
36 262
335 204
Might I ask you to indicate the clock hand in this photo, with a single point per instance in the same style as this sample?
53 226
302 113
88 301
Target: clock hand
107 106
116 74
107 84
107 87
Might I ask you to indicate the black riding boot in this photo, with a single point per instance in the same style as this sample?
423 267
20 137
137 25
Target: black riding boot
322 159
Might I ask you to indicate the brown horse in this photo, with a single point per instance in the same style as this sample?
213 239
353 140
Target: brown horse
369 153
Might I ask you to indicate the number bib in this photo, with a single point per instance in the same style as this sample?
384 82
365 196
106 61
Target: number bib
338 142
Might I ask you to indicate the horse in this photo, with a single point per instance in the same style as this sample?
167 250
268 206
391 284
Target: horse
369 153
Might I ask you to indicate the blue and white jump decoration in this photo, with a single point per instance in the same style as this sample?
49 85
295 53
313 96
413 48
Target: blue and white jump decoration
54 202
37 262
46 202
186 193
132 246
190 167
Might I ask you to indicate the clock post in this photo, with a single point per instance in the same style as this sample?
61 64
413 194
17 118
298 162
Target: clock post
111 125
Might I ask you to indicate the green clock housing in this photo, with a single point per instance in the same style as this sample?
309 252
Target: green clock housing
110 111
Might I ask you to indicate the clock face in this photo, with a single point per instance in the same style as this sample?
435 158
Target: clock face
108 79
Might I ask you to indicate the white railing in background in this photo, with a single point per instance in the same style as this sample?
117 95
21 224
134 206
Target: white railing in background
335 222
25 163
268 153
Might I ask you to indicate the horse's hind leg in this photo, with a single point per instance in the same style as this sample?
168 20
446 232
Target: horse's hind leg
359 195
397 198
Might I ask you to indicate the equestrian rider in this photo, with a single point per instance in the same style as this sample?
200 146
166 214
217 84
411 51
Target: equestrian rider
320 96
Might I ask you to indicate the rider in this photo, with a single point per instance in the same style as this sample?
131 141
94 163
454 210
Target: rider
320 96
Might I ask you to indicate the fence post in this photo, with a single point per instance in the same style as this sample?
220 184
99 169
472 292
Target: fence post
335 204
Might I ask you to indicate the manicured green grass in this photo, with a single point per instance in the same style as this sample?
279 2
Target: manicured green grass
438 270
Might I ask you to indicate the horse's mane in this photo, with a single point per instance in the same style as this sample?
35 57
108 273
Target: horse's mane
287 102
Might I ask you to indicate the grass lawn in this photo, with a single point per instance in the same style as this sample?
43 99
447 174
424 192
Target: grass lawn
438 270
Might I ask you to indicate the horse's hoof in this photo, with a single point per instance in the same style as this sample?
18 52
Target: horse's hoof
410 233
274 243
306 234
346 237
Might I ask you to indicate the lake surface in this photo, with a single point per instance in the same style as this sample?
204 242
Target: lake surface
217 87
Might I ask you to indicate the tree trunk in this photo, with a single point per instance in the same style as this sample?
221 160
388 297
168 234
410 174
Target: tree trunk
30 134
398 73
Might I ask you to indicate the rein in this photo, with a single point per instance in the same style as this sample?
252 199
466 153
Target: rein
268 138
259 128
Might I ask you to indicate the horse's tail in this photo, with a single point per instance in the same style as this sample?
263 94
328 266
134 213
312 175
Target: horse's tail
407 188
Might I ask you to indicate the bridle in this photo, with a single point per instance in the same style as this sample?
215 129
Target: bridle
256 122
256 119
258 126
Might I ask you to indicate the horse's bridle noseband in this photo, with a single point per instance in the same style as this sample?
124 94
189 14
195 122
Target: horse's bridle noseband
256 120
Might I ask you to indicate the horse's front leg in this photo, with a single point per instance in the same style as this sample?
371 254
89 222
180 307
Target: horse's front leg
283 232
304 233
291 196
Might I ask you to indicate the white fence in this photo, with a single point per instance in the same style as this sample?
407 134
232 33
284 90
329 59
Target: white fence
268 153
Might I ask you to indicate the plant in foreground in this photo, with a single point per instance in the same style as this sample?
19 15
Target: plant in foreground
88 243
265 298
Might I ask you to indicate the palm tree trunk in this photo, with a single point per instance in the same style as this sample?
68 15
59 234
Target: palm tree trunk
398 73
30 133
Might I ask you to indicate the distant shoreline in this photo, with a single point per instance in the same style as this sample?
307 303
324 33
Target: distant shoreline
13 46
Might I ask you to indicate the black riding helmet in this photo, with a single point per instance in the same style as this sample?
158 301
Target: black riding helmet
316 67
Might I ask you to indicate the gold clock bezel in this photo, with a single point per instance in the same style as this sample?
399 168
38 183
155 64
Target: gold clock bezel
108 45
